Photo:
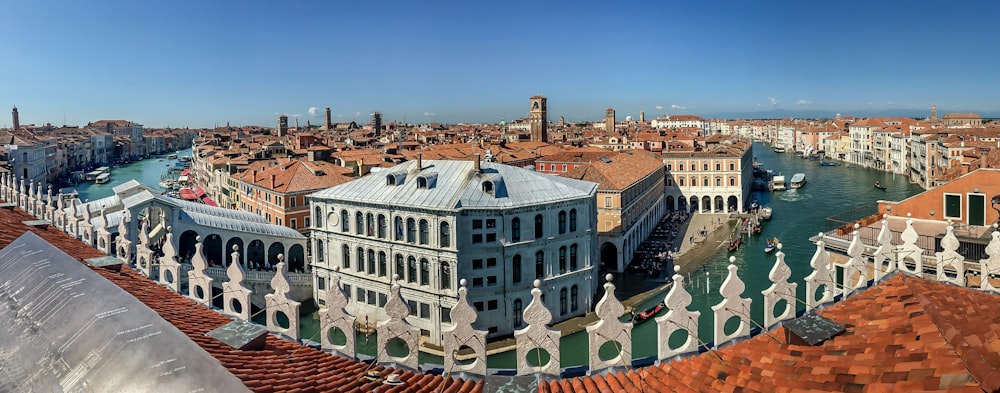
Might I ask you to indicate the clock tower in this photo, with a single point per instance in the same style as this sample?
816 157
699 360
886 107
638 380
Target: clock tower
538 119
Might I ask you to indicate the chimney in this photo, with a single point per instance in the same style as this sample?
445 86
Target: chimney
272 181
420 161
253 176
477 167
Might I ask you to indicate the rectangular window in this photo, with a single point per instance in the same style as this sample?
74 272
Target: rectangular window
477 282
977 209
952 206
307 222
361 295
425 310
491 330
294 224
371 297
479 306
320 283
347 291
477 238
445 314
491 237
382 299
607 201
491 305
491 223
477 224
491 281
491 262
477 263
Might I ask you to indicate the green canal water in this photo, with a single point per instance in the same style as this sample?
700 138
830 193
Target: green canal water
147 172
798 214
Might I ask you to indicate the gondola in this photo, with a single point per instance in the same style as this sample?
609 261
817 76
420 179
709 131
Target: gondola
879 186
646 315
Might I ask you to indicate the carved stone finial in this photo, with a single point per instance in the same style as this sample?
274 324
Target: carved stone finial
856 269
910 260
990 266
821 276
335 316
779 290
279 302
235 296
397 327
609 329
537 336
732 305
950 264
463 315
678 318
169 268
199 283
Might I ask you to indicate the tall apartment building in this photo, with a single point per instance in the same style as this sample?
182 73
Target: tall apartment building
433 223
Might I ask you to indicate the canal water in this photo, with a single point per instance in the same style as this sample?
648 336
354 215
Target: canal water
798 214
147 172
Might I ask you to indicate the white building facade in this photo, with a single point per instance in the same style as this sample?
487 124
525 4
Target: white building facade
433 223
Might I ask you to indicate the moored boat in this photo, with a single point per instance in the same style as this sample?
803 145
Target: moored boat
102 178
646 315
765 213
778 183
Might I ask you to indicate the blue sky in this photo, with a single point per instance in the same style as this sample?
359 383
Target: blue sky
200 63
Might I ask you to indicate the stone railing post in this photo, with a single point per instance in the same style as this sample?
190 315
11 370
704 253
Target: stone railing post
235 297
279 302
103 237
856 268
779 290
732 305
124 245
609 329
170 270
990 266
144 256
396 327
909 251
821 276
950 258
885 255
335 316
678 318
199 283
537 336
462 334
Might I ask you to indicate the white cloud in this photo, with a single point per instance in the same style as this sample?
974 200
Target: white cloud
297 115
312 111
890 102
658 107
774 101
803 102
429 114
675 106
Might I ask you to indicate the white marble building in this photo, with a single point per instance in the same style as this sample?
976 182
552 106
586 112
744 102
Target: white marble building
433 223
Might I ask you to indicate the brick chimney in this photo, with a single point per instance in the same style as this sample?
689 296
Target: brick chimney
478 168
272 181
420 161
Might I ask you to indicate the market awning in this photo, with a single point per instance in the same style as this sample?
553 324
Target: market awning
199 192
208 201
187 193
186 172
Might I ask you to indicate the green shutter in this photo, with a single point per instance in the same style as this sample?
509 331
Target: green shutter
977 210
953 206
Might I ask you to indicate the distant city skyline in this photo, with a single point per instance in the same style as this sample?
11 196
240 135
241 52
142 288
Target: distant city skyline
199 64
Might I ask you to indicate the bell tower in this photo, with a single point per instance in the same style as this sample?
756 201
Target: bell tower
17 121
538 119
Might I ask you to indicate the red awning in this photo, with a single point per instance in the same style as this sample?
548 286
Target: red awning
186 172
208 201
186 193
199 192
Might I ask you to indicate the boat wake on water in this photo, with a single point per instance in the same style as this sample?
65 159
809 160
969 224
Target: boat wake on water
794 196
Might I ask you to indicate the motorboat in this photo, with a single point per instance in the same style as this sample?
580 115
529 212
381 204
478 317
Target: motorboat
829 163
102 178
778 149
798 180
765 213
778 183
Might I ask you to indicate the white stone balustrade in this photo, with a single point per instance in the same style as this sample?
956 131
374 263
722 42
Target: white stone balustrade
144 256
909 252
199 284
278 302
990 266
123 245
396 327
856 268
732 305
103 236
609 329
821 277
335 316
462 334
950 264
170 269
235 297
779 290
537 337
679 317
885 255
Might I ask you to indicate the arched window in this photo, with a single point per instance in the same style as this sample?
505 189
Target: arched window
425 272
320 255
718 166
411 230
732 166
518 310
381 264
345 221
361 259
381 226
540 264
562 301
399 228
411 269
445 235
400 268
562 222
718 181
424 232
562 259
572 257
371 262
370 223
572 220
515 230
539 223
318 218
680 181
732 181
515 269
704 181
359 223
445 275
574 298
346 263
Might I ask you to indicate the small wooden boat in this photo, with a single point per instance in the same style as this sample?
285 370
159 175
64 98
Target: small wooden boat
646 315
734 243
770 247
765 213
879 186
